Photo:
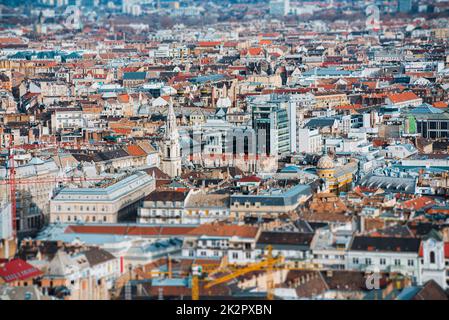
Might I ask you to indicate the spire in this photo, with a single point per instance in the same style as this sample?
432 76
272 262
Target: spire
171 130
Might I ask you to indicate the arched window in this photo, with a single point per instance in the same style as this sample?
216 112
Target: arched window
432 257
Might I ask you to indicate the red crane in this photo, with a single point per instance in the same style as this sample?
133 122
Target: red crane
12 185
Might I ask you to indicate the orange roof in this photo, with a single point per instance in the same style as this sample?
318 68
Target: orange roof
225 230
135 151
208 43
440 104
122 130
123 98
418 203
265 42
10 40
254 51
402 97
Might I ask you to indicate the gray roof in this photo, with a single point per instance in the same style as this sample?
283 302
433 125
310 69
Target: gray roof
393 184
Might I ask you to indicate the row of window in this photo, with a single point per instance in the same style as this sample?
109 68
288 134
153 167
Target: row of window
88 218
383 261
81 208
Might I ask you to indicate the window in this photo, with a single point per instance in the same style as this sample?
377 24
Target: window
410 263
235 255
355 260
248 255
368 261
432 257
105 218
397 262
383 261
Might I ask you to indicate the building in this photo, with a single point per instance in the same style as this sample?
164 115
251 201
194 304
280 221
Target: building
272 202
163 207
384 254
235 242
85 275
202 207
274 122
35 185
107 204
171 150
279 7
309 141
434 260
337 177
404 6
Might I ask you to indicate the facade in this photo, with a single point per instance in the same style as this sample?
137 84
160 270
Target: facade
36 185
309 141
270 203
384 254
163 207
214 240
337 177
202 207
434 260
107 204
274 121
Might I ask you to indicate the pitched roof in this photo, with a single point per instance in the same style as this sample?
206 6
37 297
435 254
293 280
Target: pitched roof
402 97
97 256
385 244
18 269
130 230
135 151
225 230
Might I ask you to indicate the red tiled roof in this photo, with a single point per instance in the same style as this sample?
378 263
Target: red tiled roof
250 179
135 151
402 97
418 203
446 250
130 230
440 104
225 230
18 269
209 43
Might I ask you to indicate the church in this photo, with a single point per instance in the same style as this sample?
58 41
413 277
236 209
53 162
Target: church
171 149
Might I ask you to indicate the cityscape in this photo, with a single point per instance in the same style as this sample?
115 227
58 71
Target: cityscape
224 150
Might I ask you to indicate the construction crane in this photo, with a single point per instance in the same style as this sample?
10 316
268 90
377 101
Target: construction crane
12 186
267 264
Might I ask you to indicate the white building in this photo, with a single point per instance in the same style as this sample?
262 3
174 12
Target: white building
309 141
237 242
434 260
101 204
384 254
67 118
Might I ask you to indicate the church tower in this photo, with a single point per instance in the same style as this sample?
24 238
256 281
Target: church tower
171 150
432 260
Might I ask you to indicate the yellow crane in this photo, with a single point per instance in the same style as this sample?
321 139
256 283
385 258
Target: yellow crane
267 264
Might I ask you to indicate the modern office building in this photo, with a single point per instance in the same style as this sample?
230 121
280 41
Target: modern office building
274 122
